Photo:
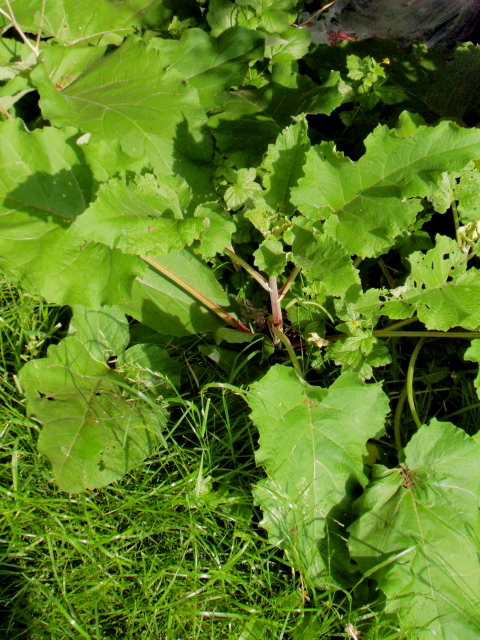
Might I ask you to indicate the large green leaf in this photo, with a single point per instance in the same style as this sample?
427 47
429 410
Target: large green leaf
128 96
323 259
426 512
93 431
212 65
370 202
311 444
65 63
43 188
160 304
137 219
253 118
71 21
284 165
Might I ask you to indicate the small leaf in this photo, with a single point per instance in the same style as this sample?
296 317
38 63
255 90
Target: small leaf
243 189
293 44
218 229
270 256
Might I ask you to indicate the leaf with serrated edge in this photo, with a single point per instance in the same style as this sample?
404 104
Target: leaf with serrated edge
43 188
311 444
93 432
439 289
136 220
284 165
70 20
370 202
429 509
128 96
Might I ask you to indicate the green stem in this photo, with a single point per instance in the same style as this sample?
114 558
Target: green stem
468 335
249 269
402 323
397 423
388 333
410 394
289 281
11 16
195 293
456 222
288 346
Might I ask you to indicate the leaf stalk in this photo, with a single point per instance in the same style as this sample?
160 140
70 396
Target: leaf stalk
11 16
281 337
289 281
195 293
409 385
249 269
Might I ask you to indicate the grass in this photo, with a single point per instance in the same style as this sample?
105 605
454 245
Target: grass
175 550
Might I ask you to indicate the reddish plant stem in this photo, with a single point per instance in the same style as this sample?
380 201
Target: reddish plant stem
195 293
289 281
275 302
